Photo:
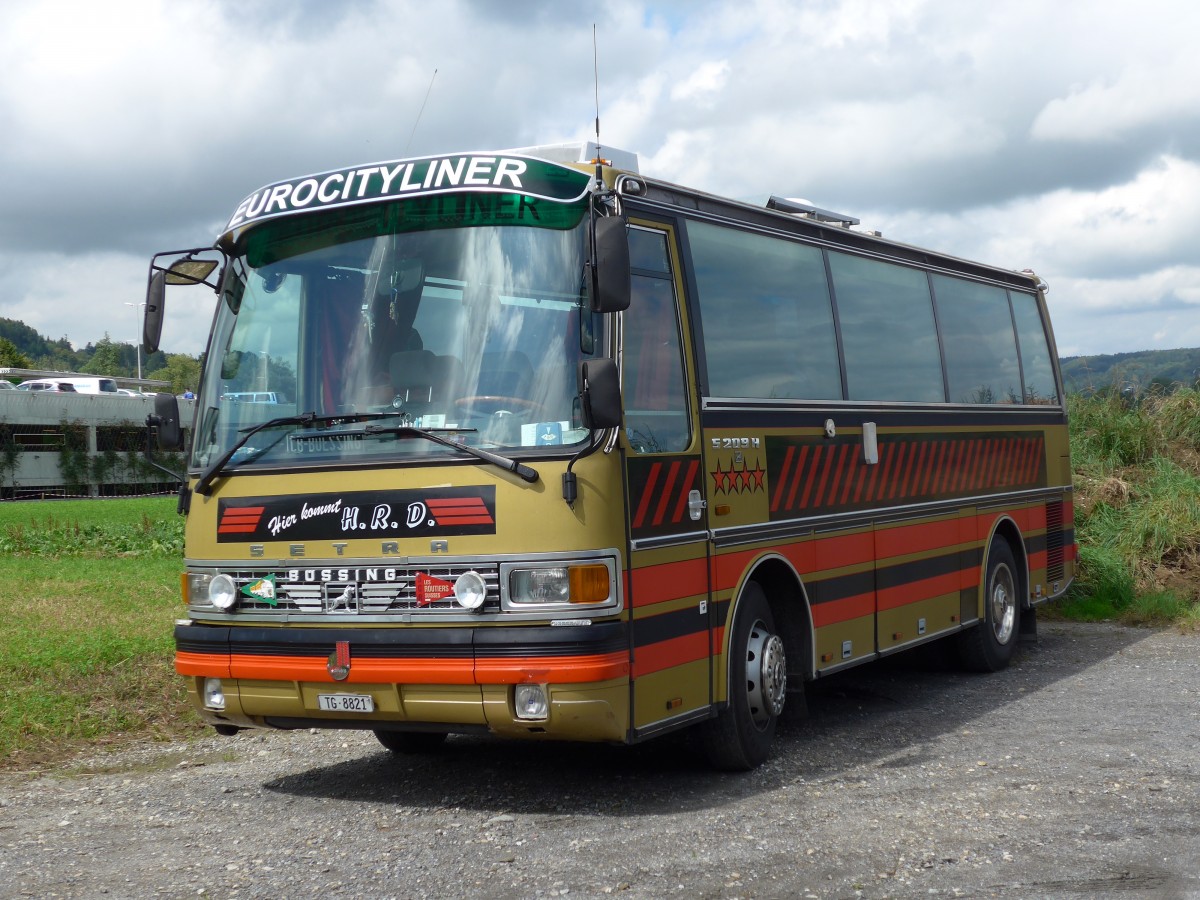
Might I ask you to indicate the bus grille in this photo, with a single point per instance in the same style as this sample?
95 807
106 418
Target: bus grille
365 590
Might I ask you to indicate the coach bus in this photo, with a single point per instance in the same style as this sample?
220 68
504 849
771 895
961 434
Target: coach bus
545 448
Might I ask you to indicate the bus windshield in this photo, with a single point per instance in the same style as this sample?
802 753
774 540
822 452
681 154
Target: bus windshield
428 313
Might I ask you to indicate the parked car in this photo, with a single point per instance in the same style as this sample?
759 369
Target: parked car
7 385
44 384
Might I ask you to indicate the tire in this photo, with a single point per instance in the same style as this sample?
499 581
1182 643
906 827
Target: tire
411 741
740 736
989 646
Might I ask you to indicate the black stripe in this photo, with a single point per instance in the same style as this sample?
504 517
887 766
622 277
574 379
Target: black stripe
418 643
562 640
665 627
840 587
772 414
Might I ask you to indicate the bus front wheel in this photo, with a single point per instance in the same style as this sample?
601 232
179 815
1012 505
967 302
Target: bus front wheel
989 646
739 738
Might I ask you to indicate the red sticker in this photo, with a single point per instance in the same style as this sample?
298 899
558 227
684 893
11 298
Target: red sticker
431 590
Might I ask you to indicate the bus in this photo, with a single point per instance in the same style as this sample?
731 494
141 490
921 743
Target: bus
559 451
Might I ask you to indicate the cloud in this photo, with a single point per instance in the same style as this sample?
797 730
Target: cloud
1063 137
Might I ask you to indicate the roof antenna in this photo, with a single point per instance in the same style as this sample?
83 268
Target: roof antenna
420 113
599 160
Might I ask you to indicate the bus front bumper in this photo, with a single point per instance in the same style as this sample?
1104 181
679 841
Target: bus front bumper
428 679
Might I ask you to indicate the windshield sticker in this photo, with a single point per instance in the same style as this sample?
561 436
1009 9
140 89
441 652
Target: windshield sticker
366 514
471 172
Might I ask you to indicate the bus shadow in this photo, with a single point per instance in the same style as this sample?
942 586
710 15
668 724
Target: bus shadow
889 714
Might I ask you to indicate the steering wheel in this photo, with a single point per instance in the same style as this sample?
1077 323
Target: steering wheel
490 404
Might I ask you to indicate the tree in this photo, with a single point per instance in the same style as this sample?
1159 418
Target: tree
106 360
182 371
11 357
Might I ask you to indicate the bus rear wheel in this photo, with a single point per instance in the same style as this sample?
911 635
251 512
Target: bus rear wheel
411 741
989 646
739 738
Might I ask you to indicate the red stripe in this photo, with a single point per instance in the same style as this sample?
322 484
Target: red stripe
904 451
916 455
783 476
843 610
463 520
647 493
453 501
668 581
665 497
237 529
803 473
689 481
818 475
851 477
837 468
892 450
674 652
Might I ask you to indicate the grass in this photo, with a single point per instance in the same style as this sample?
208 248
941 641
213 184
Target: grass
1137 508
88 593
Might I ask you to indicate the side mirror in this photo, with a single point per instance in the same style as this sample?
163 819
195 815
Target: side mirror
187 270
152 321
599 394
170 431
610 269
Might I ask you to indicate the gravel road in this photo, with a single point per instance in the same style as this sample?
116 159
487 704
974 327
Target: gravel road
1073 774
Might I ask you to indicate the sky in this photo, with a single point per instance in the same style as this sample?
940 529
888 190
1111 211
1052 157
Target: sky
1062 137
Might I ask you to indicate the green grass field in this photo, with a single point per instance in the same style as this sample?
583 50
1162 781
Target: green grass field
88 593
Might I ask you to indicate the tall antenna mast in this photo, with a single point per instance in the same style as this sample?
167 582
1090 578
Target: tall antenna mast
421 112
599 160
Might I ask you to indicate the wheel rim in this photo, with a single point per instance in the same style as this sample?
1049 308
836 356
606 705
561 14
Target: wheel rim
1003 600
766 675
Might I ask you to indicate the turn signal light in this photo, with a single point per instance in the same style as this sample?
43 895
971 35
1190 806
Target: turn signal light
589 584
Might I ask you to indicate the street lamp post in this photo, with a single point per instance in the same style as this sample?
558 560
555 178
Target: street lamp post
137 342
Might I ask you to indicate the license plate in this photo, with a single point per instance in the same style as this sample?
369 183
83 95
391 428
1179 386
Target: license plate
360 703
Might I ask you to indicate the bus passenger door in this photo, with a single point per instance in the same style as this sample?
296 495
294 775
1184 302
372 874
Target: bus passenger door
668 585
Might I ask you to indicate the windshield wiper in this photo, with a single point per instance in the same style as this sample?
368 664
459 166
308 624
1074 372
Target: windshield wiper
204 485
509 465
308 419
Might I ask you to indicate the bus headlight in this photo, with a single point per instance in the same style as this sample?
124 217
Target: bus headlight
470 590
589 583
222 592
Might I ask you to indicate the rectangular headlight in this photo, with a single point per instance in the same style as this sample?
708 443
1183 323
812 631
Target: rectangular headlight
583 583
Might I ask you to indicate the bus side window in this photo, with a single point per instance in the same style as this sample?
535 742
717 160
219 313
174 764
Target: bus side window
656 418
979 341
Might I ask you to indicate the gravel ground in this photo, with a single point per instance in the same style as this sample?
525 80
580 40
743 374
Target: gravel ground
1073 774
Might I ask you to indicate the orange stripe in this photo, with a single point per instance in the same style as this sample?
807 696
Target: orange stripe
215 665
556 669
362 670
553 669
668 654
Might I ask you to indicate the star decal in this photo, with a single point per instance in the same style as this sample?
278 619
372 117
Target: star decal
743 480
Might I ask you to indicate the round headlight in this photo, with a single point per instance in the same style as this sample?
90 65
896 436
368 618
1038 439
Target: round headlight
470 590
222 592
